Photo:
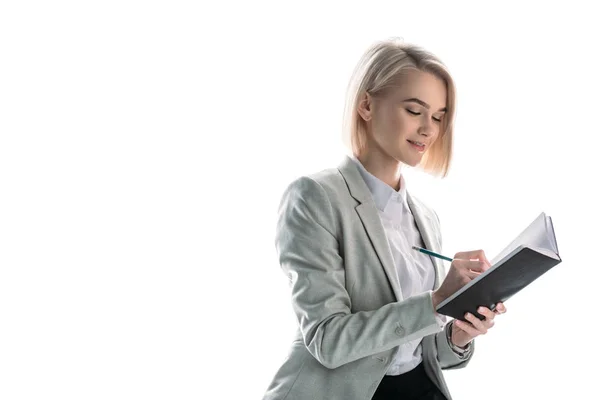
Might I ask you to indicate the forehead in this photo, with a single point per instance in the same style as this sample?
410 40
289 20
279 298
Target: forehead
422 85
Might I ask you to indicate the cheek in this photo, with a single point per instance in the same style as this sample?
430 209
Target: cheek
387 125
406 126
439 131
392 125
397 122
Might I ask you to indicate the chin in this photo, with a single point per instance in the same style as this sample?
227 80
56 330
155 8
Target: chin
406 156
410 161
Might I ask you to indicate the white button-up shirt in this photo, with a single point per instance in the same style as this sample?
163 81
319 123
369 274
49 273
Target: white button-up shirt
416 271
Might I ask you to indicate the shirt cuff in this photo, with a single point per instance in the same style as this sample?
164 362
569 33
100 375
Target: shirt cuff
440 319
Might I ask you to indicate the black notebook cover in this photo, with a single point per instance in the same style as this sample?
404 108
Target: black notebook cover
500 284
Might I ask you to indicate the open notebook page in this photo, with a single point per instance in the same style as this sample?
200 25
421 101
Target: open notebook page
538 234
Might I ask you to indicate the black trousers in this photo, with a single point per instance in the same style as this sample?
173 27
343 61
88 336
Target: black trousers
412 385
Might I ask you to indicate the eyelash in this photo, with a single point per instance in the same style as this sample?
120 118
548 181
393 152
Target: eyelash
414 113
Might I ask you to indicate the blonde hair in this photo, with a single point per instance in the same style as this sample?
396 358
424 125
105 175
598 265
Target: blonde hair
380 69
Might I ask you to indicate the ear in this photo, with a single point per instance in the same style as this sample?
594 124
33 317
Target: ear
365 105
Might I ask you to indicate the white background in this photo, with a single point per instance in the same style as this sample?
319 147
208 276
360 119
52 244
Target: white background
144 147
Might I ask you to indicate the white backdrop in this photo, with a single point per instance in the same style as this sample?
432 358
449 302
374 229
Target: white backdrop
144 148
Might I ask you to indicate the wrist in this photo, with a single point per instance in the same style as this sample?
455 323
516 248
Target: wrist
462 352
458 346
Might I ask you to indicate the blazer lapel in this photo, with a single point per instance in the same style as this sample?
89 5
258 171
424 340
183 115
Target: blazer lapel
424 224
369 215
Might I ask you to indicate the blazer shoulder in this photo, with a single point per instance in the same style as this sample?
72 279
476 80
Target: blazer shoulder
329 181
329 178
309 198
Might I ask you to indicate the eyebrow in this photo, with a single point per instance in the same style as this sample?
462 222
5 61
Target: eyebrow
421 102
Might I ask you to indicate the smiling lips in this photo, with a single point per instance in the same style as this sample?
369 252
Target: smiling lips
420 148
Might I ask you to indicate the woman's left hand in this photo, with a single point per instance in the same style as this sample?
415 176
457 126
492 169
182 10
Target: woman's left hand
463 332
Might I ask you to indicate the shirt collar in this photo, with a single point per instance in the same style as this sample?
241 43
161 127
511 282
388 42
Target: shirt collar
382 193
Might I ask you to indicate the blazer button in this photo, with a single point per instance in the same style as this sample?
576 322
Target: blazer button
399 330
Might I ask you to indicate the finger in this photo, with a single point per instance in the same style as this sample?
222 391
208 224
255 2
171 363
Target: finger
472 274
473 265
501 308
486 312
479 265
467 327
473 255
486 260
480 325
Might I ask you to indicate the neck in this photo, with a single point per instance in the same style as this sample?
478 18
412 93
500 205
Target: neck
384 167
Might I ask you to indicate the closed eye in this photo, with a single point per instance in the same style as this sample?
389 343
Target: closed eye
416 113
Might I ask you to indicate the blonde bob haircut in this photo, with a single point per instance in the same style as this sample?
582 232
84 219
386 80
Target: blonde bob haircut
379 69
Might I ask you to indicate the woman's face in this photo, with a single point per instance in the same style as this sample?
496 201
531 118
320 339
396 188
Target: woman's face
408 113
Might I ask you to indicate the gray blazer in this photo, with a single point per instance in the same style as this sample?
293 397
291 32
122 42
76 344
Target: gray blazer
345 293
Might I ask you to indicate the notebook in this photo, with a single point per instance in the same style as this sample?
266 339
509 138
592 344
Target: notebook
530 255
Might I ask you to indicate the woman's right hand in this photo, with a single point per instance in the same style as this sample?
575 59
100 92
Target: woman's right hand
466 266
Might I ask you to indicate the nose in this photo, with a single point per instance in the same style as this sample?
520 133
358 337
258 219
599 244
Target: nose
427 128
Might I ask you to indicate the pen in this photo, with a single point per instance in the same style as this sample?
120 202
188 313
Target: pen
431 253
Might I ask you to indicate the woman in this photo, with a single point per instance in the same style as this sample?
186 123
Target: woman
365 301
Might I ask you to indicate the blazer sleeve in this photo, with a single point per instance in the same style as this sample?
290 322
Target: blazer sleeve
447 357
308 250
